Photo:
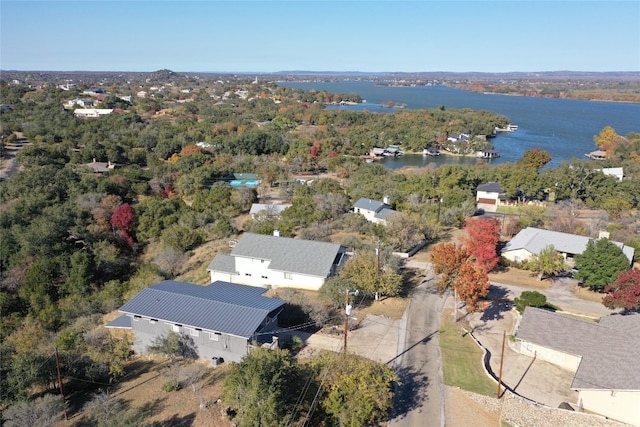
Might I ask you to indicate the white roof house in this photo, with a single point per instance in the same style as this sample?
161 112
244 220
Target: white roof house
373 210
267 209
617 173
92 112
601 355
531 241
273 261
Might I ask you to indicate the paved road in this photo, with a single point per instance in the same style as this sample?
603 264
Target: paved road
419 398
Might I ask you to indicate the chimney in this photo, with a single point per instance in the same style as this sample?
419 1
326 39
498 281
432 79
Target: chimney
386 200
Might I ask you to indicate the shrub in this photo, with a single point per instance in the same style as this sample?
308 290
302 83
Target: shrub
530 299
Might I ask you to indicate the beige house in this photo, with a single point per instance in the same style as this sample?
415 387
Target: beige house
602 355
373 210
488 196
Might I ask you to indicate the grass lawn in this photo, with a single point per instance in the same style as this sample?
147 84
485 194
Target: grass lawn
462 359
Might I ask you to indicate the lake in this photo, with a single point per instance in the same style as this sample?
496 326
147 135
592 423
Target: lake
563 127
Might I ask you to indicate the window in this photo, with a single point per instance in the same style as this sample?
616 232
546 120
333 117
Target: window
136 318
175 328
195 332
288 275
214 336
152 321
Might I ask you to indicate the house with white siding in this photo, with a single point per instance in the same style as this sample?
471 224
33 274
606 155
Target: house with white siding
489 196
373 210
274 261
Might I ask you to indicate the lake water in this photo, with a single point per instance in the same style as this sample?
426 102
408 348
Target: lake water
563 127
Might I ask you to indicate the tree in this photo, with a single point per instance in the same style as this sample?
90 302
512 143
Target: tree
447 259
529 299
600 264
365 273
402 231
121 220
173 345
548 262
535 158
44 411
624 292
608 140
357 391
262 388
471 285
482 237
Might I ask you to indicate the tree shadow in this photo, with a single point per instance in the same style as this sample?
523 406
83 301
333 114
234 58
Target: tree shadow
410 391
499 303
411 279
176 421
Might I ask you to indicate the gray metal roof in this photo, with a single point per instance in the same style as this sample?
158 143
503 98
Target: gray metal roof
123 321
607 348
535 240
220 306
490 187
224 263
368 204
291 255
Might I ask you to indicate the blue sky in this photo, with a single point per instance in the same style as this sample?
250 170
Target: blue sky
368 36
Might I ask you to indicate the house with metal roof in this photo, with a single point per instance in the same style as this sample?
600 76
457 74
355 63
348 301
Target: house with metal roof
601 355
531 241
222 320
267 209
274 261
489 196
373 210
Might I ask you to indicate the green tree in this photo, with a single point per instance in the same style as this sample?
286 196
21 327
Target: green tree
366 274
600 264
548 262
357 391
173 345
262 388
529 299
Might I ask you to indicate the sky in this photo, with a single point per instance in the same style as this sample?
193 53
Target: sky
367 36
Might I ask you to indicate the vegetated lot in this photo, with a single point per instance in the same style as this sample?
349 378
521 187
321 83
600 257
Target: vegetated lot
141 392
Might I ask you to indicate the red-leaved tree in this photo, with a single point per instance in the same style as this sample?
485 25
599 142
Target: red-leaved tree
472 284
624 292
481 239
121 220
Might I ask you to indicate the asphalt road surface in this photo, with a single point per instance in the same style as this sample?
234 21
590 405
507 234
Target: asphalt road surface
419 400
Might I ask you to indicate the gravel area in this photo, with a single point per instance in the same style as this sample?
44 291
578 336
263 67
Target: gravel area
521 413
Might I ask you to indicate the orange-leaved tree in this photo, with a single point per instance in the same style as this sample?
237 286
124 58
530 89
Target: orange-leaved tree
482 238
458 271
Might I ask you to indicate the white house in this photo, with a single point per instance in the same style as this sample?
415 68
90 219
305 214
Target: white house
269 210
617 173
488 196
531 241
601 355
274 261
92 112
374 211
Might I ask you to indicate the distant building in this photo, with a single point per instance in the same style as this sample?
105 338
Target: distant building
373 210
489 196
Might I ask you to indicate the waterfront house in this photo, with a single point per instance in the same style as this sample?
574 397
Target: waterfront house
600 354
220 321
275 261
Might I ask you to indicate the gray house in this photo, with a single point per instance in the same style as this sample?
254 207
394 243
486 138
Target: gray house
222 319
373 210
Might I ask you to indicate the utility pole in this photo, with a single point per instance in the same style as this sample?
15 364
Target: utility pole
377 296
60 384
439 205
347 313
504 336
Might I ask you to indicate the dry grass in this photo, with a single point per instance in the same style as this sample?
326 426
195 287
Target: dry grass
524 278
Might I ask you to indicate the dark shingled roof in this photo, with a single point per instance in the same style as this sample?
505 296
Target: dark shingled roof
220 306
490 187
607 348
